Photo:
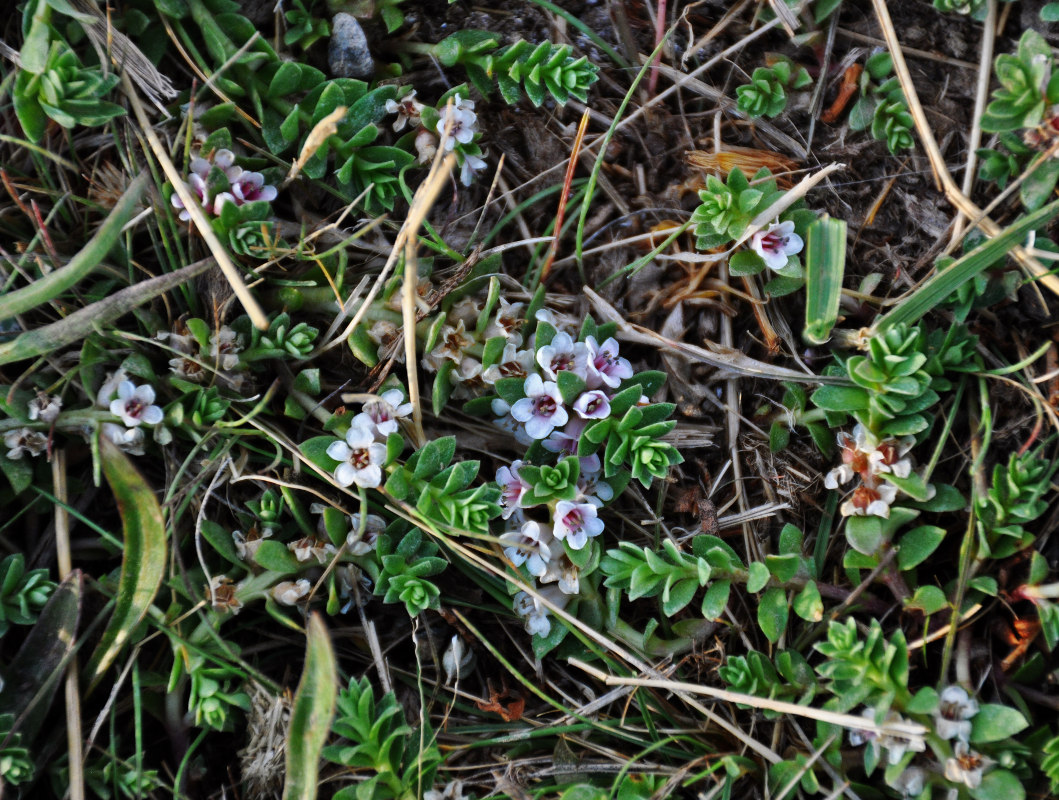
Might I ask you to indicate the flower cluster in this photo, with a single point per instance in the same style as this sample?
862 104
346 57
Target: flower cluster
361 453
229 184
455 115
199 353
866 457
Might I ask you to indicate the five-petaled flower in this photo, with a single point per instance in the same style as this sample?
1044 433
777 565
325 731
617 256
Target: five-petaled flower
604 365
134 405
382 413
966 766
464 122
529 546
776 244
541 409
563 353
360 458
576 523
870 501
407 109
512 488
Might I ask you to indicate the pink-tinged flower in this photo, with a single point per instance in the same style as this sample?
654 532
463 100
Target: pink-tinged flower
250 187
529 545
360 457
563 353
956 708
541 409
870 501
576 523
777 244
866 456
604 365
966 766
513 364
464 122
381 414
225 347
471 165
288 593
24 440
592 404
134 405
407 109
512 488
564 440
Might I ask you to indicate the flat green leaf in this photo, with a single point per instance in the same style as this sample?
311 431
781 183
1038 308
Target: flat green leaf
713 604
807 603
825 264
772 614
783 567
275 556
917 545
927 599
925 701
999 784
865 534
758 578
311 713
840 398
994 722
144 558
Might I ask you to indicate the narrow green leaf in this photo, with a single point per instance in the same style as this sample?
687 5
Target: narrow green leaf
87 259
143 563
825 264
938 288
314 707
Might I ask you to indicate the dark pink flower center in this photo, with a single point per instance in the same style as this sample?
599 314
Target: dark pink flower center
360 458
544 406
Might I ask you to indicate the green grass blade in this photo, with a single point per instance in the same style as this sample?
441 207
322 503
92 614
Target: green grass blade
144 559
87 259
314 706
84 321
943 284
825 264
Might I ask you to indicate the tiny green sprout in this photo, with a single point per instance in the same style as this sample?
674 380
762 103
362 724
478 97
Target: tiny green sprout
766 94
1028 86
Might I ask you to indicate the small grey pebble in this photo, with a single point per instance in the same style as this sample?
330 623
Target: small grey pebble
348 55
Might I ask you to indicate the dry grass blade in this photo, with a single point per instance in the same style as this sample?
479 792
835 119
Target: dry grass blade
191 205
937 161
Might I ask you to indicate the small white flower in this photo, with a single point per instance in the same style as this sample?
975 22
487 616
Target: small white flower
956 708
541 409
508 322
24 440
911 782
604 365
360 457
563 572
776 244
288 593
894 744
310 547
870 501
464 122
131 440
563 353
358 544
591 485
513 363
246 545
535 612
529 546
44 407
407 109
966 766
224 348
471 165
576 523
451 346
382 414
134 405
